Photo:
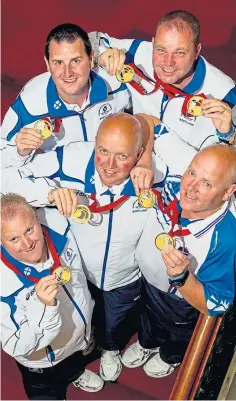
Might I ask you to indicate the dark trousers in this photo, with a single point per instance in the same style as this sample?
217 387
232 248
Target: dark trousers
51 383
115 314
167 321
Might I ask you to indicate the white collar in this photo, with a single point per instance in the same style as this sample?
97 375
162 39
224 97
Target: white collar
101 188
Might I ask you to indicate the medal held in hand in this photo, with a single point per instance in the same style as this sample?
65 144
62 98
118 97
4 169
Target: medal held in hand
45 127
63 274
126 74
194 106
164 242
82 214
147 200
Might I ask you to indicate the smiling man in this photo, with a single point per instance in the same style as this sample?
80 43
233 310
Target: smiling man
44 325
167 72
113 226
186 253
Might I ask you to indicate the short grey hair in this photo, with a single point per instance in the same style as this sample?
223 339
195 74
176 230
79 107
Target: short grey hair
11 203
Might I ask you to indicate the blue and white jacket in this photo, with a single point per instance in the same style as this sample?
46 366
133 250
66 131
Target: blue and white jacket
196 131
39 98
36 335
108 242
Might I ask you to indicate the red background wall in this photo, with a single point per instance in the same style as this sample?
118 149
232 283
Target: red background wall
26 23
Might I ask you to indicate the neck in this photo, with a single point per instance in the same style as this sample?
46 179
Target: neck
185 81
78 99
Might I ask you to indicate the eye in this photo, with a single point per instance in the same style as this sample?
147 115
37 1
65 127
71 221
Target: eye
191 173
180 53
30 230
76 60
14 240
58 62
122 156
159 50
103 152
207 184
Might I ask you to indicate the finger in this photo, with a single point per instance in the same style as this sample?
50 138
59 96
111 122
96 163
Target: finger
116 60
135 184
60 200
53 294
168 261
140 180
121 61
51 288
51 278
110 64
30 132
30 144
69 201
148 180
74 200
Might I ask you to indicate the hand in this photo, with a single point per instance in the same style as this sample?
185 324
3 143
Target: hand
175 261
142 178
47 289
65 200
219 112
112 59
27 140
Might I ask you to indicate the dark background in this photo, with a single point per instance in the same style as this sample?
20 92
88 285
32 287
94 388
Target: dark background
26 23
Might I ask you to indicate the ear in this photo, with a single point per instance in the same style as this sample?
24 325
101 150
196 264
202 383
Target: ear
47 64
153 40
198 49
229 192
92 60
140 152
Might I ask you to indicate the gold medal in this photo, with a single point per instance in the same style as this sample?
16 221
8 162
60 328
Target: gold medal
63 275
194 106
147 200
126 74
164 242
82 214
45 127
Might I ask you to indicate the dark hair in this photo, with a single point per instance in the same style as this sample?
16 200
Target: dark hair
69 33
178 17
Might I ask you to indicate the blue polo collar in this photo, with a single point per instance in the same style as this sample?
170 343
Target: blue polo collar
197 80
56 107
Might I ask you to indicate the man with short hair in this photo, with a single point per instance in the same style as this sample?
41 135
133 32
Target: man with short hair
114 222
46 307
65 104
171 81
187 255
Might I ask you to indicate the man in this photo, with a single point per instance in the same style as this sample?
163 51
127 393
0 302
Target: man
167 72
194 226
65 104
108 240
44 325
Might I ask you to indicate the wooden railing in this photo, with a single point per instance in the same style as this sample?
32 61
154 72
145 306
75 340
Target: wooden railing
195 358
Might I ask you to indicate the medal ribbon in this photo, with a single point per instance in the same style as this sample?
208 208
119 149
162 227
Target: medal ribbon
172 212
99 209
169 90
54 254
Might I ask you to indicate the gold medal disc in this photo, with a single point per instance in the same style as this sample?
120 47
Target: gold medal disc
126 74
45 127
82 214
164 242
63 274
194 106
147 200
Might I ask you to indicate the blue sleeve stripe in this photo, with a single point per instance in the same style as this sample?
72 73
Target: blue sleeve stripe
230 98
121 88
132 50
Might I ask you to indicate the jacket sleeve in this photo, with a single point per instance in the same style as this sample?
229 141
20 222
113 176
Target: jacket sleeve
102 41
27 328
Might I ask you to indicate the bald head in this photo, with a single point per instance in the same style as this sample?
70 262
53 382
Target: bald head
124 126
118 147
225 161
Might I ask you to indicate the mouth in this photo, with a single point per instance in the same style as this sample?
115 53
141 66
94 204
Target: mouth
32 248
189 196
69 81
109 173
169 70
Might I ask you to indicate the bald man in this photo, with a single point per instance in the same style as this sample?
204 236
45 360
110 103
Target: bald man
108 239
195 270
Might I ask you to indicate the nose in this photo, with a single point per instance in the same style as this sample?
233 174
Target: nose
26 243
192 185
112 162
67 71
169 59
